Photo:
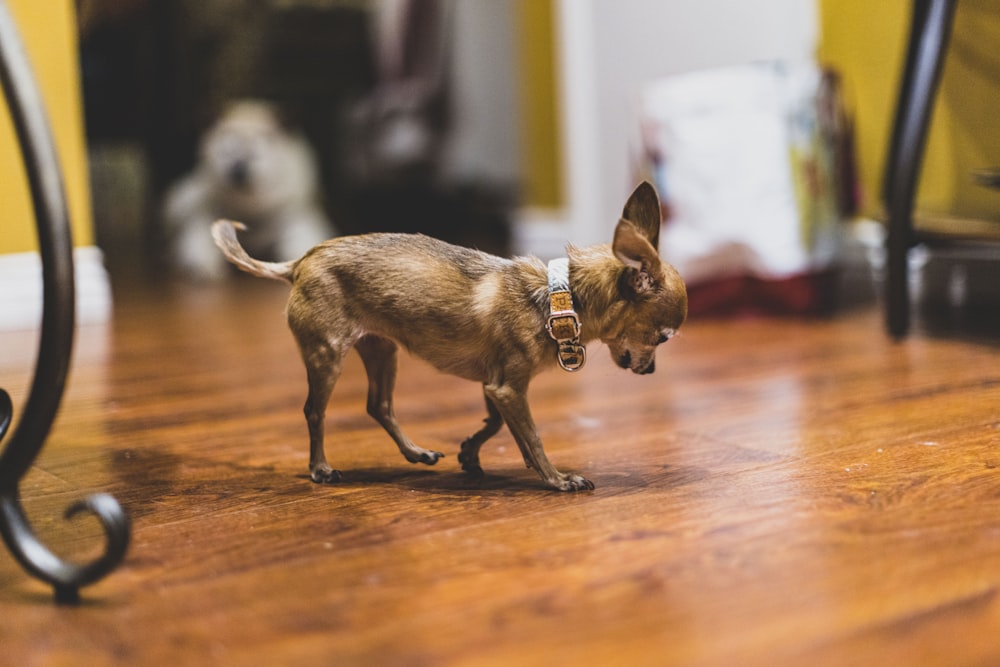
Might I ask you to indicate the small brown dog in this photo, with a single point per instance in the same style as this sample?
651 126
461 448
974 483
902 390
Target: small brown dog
496 321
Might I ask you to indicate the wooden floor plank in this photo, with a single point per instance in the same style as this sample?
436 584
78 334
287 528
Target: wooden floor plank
778 492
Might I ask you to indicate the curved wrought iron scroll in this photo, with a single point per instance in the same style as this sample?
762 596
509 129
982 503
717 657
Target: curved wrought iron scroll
56 248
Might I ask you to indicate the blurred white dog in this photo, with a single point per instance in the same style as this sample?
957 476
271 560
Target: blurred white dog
253 170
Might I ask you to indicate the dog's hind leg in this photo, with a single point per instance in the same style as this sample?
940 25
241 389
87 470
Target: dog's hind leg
323 366
469 454
379 357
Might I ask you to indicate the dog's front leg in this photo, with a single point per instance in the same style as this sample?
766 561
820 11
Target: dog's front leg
512 402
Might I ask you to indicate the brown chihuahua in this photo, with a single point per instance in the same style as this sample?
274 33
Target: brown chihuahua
488 319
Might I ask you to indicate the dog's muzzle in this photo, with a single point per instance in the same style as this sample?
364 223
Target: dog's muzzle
239 174
625 361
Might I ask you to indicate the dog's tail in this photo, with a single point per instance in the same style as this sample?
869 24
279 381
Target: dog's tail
224 234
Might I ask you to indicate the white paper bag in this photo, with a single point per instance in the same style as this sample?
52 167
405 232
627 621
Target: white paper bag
746 160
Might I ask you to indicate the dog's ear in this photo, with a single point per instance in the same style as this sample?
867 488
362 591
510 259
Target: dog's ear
643 210
633 249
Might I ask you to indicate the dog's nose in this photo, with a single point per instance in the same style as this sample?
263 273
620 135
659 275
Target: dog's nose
239 174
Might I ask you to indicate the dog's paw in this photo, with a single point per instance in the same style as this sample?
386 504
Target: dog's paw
324 474
574 483
426 456
471 465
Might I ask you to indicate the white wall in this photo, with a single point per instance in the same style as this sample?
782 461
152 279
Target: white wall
483 140
607 49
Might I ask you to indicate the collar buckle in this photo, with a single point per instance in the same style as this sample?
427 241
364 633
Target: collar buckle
563 325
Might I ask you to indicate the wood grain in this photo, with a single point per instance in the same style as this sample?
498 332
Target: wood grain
778 492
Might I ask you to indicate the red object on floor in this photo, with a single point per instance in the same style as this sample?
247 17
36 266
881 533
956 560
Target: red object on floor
810 294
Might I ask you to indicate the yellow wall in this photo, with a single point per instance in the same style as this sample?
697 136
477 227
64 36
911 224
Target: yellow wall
48 30
540 145
866 42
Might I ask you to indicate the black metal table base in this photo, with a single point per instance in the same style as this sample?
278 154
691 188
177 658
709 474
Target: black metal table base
55 347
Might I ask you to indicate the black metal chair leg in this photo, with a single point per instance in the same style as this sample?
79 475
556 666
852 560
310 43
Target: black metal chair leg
56 250
929 34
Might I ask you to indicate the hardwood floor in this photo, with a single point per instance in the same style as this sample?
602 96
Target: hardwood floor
779 492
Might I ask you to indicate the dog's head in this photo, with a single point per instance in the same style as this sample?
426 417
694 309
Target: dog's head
253 159
238 146
652 298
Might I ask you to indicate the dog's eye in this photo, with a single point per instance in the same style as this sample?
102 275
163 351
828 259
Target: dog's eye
664 337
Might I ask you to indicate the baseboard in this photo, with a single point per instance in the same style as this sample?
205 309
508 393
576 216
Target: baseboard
21 289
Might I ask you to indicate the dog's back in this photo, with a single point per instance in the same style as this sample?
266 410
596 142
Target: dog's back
444 303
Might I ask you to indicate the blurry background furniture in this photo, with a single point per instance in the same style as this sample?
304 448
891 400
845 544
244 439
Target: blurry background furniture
375 87
930 34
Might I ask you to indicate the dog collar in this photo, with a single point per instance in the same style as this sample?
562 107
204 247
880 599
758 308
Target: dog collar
563 324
